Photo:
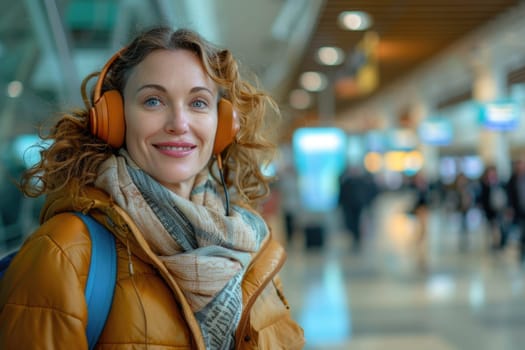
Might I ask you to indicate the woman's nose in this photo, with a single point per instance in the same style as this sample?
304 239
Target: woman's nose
177 121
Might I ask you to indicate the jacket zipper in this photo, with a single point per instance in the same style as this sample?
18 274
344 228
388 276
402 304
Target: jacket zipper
196 335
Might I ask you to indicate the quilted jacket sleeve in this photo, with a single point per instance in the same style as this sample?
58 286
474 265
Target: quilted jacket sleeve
42 304
270 324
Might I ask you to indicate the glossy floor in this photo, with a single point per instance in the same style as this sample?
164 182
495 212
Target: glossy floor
394 294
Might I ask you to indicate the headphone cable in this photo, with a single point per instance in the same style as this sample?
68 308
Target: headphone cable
221 175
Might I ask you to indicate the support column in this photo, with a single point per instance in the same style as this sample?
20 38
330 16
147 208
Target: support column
420 110
493 146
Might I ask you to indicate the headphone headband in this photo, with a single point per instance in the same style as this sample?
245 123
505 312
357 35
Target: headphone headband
102 74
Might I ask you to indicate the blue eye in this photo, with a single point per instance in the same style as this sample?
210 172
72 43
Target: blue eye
199 104
152 102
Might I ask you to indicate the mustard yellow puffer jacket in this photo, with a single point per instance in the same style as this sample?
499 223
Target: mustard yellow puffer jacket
42 304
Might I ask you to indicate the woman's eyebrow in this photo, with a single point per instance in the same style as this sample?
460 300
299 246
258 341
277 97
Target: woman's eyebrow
152 86
201 88
163 89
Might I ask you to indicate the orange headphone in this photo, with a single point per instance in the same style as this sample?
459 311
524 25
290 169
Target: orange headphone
107 120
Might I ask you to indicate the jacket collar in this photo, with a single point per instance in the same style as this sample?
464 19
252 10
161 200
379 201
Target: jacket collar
100 205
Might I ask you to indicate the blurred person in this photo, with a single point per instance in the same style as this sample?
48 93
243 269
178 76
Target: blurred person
289 199
516 200
10 197
194 272
357 190
464 198
13 208
493 202
420 208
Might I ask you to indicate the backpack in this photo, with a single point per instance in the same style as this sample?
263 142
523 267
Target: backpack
102 274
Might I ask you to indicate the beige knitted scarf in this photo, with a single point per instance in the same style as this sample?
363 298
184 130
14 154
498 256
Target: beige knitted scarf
205 251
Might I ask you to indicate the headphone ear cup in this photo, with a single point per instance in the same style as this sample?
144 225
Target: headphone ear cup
107 118
227 126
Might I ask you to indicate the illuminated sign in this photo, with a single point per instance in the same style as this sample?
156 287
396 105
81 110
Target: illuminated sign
500 115
402 139
320 156
436 131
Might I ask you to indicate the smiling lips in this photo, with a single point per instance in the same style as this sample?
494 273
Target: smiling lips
181 149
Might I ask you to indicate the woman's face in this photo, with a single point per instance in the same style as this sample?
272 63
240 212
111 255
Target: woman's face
170 106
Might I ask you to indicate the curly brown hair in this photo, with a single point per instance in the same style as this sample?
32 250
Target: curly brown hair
71 162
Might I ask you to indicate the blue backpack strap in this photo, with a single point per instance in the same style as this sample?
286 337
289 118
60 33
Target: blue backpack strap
5 261
102 277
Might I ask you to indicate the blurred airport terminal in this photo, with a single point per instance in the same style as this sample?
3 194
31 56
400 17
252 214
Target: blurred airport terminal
400 181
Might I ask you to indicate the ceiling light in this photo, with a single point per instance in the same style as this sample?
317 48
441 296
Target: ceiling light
354 20
14 89
300 99
313 81
330 55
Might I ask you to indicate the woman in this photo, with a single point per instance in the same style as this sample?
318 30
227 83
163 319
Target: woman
147 159
493 202
420 208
